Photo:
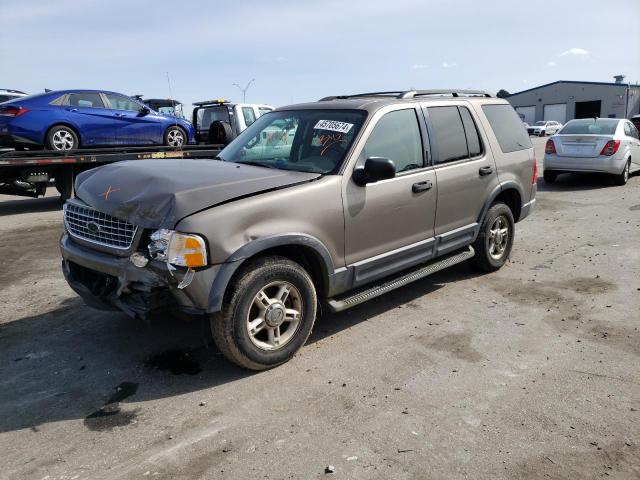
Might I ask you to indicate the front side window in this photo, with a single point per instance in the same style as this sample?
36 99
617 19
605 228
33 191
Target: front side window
507 128
85 99
396 136
302 140
249 115
120 102
627 130
448 134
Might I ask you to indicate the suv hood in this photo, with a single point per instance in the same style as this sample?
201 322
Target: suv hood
159 193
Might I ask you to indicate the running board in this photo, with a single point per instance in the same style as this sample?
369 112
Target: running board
340 304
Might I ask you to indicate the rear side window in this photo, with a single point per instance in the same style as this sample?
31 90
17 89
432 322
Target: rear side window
507 127
397 136
249 115
85 99
470 129
448 134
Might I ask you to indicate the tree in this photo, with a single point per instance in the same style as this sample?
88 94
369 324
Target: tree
502 93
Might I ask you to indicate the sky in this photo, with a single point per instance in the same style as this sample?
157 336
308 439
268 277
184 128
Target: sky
303 50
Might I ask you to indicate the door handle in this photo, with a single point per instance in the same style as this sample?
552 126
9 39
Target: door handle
421 186
485 171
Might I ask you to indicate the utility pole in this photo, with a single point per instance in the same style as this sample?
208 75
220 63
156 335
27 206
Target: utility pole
244 90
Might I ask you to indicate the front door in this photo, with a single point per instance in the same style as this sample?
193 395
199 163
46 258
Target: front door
134 127
389 224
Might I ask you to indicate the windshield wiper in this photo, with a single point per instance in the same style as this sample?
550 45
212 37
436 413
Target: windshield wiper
257 164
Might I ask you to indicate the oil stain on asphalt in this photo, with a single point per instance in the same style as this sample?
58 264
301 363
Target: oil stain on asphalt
110 415
175 361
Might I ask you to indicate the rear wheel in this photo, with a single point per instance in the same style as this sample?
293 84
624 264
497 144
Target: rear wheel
549 176
623 178
267 315
62 138
64 184
495 239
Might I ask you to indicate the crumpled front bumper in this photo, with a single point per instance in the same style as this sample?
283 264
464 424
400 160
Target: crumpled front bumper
109 282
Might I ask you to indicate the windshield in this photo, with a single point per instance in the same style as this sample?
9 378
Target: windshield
591 126
541 123
303 140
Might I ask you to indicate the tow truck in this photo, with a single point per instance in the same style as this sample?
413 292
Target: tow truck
28 173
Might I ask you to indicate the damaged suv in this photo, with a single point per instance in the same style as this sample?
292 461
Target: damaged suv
328 204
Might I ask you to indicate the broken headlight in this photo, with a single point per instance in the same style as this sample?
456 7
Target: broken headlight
180 249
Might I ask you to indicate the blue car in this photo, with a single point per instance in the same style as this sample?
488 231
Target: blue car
70 119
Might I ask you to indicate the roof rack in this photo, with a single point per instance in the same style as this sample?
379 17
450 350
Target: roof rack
413 94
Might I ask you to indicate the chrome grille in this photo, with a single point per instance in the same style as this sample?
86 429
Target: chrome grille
96 227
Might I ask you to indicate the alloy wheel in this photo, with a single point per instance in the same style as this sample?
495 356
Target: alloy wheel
175 138
498 237
62 140
274 315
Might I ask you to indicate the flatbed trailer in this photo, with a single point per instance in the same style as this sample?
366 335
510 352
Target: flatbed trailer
28 173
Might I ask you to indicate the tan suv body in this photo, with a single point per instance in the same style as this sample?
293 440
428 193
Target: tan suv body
331 202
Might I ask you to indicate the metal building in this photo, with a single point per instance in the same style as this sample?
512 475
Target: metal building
565 100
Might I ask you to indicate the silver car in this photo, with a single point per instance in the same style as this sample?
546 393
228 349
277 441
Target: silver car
607 145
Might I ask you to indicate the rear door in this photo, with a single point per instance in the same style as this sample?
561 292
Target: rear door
389 224
134 127
465 173
87 111
631 134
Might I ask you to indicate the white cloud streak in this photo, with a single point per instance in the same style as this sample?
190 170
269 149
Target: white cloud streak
574 51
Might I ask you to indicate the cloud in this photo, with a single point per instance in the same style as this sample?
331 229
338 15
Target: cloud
574 51
449 65
418 66
275 59
552 64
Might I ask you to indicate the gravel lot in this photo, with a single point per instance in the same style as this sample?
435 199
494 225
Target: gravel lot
530 372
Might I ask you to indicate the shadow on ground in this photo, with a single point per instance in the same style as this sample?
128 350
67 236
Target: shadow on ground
30 205
72 362
577 182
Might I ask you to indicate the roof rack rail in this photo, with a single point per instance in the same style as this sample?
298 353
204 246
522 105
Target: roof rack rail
408 94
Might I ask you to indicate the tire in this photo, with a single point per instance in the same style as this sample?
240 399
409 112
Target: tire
543 133
220 133
622 178
175 137
61 138
232 330
549 176
489 257
64 185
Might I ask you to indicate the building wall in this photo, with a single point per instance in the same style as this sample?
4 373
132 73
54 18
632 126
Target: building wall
612 96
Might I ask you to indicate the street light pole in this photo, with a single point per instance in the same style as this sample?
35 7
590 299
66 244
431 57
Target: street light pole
244 90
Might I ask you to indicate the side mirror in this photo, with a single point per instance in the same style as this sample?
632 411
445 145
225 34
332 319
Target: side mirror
374 169
144 111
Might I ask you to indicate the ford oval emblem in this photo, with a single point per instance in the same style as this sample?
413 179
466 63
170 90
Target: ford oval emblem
93 228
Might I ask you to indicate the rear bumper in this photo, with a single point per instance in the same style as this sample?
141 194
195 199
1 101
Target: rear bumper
108 282
613 164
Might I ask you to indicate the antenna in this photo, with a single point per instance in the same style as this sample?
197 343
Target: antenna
244 90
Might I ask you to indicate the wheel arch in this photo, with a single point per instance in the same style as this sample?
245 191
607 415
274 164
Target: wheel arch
75 129
301 248
509 193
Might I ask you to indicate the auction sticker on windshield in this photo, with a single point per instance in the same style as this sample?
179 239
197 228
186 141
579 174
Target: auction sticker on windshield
334 126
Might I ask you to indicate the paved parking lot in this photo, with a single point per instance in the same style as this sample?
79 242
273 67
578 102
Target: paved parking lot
530 372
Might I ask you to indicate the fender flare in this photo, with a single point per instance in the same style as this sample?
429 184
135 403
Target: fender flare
501 187
253 248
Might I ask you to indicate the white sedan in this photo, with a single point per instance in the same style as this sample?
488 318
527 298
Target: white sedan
544 127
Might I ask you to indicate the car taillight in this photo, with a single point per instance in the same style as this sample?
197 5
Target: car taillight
550 147
610 148
12 111
535 170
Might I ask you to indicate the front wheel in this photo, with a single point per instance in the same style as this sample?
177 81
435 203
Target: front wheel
267 314
175 137
495 238
623 178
